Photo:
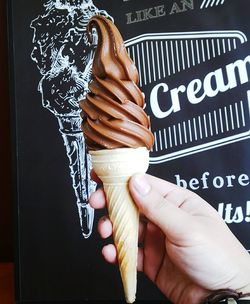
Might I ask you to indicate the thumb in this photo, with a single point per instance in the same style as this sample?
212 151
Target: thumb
163 213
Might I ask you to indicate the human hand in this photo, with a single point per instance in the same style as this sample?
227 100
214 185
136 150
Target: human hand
188 251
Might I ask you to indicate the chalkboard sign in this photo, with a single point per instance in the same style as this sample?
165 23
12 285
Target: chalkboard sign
194 65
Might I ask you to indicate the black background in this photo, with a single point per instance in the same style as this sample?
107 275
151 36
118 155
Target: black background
54 262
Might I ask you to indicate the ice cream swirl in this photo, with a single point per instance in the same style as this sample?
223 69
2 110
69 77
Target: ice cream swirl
112 112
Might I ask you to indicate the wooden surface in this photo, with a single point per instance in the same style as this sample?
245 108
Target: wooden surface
6 283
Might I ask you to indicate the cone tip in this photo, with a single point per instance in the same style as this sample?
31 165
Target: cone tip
130 298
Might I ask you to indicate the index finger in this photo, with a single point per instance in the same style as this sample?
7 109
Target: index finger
180 197
97 199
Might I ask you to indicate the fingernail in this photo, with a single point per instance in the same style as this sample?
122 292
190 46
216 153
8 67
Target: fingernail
141 185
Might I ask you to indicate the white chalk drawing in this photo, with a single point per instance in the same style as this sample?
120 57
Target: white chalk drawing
161 55
63 57
211 3
221 122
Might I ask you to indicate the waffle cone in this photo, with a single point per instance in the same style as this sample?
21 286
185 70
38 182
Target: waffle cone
114 168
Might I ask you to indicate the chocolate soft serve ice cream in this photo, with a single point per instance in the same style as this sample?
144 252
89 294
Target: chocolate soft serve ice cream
118 137
113 110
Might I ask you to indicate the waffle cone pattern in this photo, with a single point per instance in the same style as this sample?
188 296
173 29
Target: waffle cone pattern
115 167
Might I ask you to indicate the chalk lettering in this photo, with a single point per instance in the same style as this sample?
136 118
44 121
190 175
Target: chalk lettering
215 82
206 181
146 14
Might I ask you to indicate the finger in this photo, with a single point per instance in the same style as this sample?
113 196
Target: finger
154 250
142 229
157 208
140 259
94 177
97 199
104 227
109 253
161 185
143 218
175 194
181 197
